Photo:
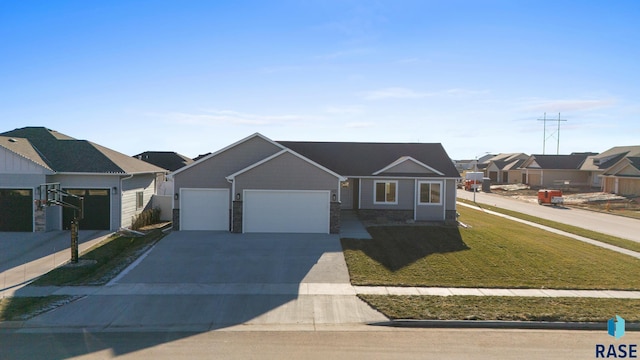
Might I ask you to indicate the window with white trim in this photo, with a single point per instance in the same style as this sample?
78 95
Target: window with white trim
385 192
139 200
430 192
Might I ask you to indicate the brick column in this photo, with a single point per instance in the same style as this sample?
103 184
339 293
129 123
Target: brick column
236 227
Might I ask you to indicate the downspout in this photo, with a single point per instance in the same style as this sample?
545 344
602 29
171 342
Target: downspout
233 196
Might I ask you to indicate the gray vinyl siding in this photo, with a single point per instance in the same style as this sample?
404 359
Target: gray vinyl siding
144 183
212 173
555 178
23 181
450 196
286 172
406 194
436 212
408 167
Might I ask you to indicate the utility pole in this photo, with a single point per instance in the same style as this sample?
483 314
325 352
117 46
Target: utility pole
556 133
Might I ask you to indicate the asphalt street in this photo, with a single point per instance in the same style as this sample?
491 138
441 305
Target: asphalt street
619 226
332 342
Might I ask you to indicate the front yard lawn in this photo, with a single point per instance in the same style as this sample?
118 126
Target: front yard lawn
613 240
503 308
493 252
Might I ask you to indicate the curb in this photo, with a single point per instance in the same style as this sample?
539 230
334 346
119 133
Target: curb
498 324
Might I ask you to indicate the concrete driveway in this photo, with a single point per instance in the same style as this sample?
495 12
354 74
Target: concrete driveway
199 281
27 255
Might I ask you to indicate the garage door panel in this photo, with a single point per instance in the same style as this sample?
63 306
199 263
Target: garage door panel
204 209
286 211
16 210
97 209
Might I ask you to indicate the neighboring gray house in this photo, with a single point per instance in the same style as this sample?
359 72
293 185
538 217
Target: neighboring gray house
259 185
609 171
115 186
504 168
555 171
169 160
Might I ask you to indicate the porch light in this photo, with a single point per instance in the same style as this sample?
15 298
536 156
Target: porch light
114 190
333 197
175 196
238 196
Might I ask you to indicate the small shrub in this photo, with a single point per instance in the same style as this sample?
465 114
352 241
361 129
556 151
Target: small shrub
147 217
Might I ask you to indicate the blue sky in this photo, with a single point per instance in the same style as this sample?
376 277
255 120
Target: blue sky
195 76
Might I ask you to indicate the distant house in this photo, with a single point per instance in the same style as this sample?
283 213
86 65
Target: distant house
169 160
604 172
554 171
615 170
505 168
261 185
115 186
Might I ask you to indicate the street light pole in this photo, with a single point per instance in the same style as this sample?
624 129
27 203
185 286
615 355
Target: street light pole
475 187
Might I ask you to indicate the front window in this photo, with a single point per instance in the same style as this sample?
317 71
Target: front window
139 200
430 192
386 192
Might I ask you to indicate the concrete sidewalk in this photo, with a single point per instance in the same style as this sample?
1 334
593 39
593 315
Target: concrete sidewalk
303 289
559 232
48 251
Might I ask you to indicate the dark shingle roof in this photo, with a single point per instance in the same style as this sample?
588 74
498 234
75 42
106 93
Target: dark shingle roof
63 153
560 162
169 160
363 159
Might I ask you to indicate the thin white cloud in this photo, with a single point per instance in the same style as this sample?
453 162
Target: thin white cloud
394 93
359 125
567 105
345 110
405 93
217 117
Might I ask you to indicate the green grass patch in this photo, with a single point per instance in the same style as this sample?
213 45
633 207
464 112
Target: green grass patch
22 308
504 308
613 240
110 258
494 253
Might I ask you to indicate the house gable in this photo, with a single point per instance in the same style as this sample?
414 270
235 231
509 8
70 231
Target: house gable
211 171
17 156
285 170
627 167
407 165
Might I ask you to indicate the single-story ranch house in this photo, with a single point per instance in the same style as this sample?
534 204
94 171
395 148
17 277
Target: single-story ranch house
260 185
115 186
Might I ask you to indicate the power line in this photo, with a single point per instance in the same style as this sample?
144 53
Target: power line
556 133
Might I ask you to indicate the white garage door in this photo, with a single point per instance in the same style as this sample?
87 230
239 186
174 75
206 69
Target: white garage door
204 209
287 211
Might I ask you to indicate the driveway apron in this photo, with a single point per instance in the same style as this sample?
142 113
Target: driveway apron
202 280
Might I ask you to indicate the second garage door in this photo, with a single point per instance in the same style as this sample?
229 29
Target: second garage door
204 209
287 211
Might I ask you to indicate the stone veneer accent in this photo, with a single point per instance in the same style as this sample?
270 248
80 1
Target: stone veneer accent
385 216
40 219
236 227
334 217
176 219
